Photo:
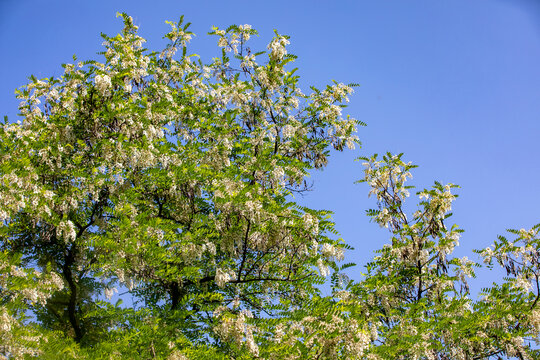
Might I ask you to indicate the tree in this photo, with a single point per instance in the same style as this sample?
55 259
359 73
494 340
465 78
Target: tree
173 181
415 294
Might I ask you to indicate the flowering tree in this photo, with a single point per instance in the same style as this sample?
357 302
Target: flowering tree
415 295
172 182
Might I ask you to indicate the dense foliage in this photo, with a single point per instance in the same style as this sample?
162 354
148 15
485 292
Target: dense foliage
172 182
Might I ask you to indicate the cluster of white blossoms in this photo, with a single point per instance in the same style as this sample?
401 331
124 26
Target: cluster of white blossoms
236 328
438 202
534 320
178 34
38 286
6 320
288 131
254 209
450 242
311 223
329 106
324 271
384 218
465 268
66 231
330 251
278 48
232 40
109 292
103 83
387 177
278 175
223 277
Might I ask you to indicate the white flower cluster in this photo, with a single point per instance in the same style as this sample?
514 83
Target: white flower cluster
223 277
66 231
439 202
332 252
447 245
323 269
254 209
384 218
178 34
231 41
235 328
386 176
109 292
278 174
288 131
277 47
311 223
464 268
103 84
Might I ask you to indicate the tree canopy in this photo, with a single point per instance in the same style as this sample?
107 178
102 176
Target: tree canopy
171 182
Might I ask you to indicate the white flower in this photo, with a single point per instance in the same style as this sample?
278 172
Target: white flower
323 270
487 254
384 218
277 47
278 173
103 83
5 321
245 27
222 42
222 278
251 345
57 281
31 295
109 292
288 131
279 333
294 102
311 223
66 230
17 271
330 251
127 84
253 208
521 283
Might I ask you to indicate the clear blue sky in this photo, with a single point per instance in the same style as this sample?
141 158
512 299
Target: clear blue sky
455 85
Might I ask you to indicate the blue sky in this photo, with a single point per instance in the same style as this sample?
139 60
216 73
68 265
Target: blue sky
455 85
